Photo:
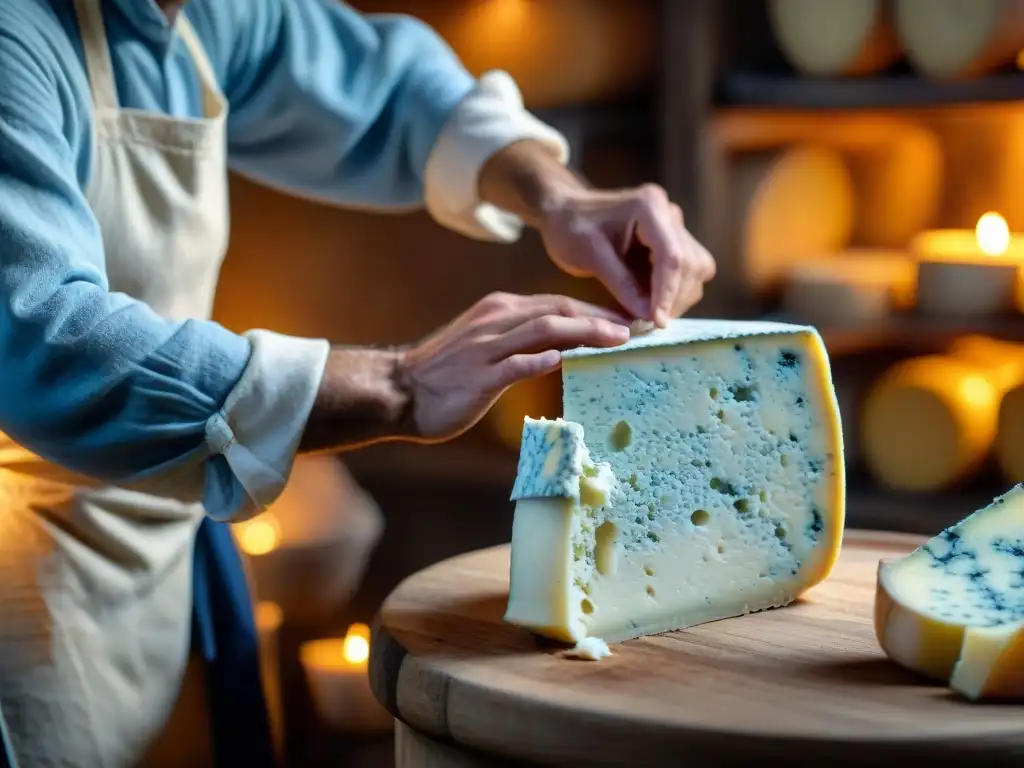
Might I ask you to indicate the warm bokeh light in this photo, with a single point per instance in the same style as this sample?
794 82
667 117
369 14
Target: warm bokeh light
1020 59
993 234
268 616
356 647
977 391
260 535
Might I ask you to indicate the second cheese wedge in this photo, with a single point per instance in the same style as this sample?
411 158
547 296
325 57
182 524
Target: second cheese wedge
720 453
953 609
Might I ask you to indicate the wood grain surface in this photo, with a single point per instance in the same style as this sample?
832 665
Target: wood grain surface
802 685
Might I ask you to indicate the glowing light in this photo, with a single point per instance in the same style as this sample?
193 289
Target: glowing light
992 234
260 535
356 647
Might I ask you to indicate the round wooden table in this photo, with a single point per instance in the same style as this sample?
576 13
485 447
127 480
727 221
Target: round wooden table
795 686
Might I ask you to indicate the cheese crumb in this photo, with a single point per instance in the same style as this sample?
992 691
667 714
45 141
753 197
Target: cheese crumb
640 327
589 649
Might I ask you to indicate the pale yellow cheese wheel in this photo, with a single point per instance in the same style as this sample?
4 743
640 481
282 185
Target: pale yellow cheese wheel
793 204
1010 440
950 39
899 186
929 422
857 285
558 51
835 37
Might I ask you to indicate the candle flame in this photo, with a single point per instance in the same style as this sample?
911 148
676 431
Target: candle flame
260 535
356 646
992 234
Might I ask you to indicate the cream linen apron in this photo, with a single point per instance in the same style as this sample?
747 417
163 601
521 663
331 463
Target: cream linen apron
96 582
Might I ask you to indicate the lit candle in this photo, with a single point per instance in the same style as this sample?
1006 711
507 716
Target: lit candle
965 273
339 681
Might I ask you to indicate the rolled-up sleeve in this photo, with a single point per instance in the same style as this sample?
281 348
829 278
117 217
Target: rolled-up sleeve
365 110
94 380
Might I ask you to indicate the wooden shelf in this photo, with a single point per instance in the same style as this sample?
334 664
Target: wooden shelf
908 331
791 91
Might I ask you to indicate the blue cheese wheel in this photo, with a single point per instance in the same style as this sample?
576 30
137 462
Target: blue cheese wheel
722 444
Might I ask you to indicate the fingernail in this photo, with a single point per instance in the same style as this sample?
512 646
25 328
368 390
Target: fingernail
617 330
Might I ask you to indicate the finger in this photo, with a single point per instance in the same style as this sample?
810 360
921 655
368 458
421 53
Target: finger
706 266
517 368
499 312
556 332
614 275
658 227
688 299
553 304
669 273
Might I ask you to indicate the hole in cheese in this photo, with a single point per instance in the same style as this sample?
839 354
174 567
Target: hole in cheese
586 606
622 436
605 547
700 517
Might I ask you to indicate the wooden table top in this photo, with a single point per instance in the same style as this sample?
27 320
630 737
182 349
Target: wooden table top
806 683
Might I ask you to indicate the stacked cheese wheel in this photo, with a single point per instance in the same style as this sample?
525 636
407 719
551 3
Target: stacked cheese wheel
952 38
943 39
932 421
795 203
835 37
859 285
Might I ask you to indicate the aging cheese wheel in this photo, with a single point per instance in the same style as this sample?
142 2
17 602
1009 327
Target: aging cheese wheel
899 186
929 421
950 39
835 37
558 51
856 286
794 204
1004 360
1010 440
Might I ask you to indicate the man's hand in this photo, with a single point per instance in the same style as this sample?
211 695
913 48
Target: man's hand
454 376
588 233
436 389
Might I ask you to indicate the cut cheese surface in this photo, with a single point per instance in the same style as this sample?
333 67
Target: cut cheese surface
953 609
721 447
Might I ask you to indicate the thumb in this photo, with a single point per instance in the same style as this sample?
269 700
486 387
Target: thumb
611 270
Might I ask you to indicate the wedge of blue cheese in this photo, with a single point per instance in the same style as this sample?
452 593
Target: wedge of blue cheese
697 475
953 609
558 492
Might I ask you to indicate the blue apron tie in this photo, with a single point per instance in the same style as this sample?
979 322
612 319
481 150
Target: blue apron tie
224 631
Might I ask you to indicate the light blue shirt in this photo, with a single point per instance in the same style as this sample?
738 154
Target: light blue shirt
324 102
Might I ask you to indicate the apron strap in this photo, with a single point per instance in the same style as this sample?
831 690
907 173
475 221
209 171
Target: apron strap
98 65
213 100
224 632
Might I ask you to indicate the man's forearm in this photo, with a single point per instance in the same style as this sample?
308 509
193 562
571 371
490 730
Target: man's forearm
526 180
361 400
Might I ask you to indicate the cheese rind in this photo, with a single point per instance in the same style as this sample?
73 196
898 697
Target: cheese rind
550 460
724 442
953 609
556 490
